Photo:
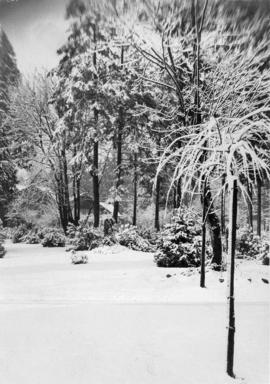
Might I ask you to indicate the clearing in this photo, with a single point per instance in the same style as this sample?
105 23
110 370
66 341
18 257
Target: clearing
120 320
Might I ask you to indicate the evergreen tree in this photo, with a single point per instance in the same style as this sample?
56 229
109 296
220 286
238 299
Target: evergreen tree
9 76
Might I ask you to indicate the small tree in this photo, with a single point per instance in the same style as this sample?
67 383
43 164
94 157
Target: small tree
42 137
233 151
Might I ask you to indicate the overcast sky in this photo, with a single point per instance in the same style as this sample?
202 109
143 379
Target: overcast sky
36 29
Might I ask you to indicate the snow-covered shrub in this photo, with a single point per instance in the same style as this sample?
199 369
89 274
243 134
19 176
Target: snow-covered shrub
20 233
78 258
83 237
7 232
251 245
41 232
266 259
2 238
53 238
149 234
129 236
265 252
32 237
180 243
2 251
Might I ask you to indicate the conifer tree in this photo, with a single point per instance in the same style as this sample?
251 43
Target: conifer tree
9 76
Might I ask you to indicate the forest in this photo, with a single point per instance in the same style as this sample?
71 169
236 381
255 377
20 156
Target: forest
152 132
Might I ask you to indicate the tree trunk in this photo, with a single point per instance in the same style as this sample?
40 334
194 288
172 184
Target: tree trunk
63 191
197 118
78 188
119 162
259 206
232 242
76 199
95 154
157 196
214 227
135 190
222 206
67 206
60 203
119 150
177 194
76 191
96 185
202 277
249 205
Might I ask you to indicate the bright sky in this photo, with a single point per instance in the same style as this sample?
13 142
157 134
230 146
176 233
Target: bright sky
36 29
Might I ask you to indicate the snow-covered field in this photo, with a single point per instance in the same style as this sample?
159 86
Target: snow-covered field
120 320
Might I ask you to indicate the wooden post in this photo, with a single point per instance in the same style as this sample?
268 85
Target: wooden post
231 256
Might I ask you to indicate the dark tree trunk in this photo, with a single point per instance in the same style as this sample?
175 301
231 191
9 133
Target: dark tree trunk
95 154
232 242
119 162
214 227
157 190
157 197
202 277
211 216
259 207
197 118
63 191
76 191
96 185
135 189
60 203
67 206
76 199
222 206
119 150
78 188
177 194
250 205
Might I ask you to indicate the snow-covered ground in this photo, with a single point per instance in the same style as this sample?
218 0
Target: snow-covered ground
120 320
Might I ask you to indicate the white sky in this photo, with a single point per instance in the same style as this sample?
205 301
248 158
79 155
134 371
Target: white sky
36 29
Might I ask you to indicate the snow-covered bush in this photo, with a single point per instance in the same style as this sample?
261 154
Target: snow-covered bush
83 237
180 243
78 258
20 233
32 237
251 245
149 234
54 238
2 238
129 236
7 232
265 253
41 232
2 251
266 259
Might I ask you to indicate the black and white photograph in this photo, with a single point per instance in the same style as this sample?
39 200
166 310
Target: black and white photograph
134 191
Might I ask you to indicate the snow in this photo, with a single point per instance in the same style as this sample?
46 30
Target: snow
119 319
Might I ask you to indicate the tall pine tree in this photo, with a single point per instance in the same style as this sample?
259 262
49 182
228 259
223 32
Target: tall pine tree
9 76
